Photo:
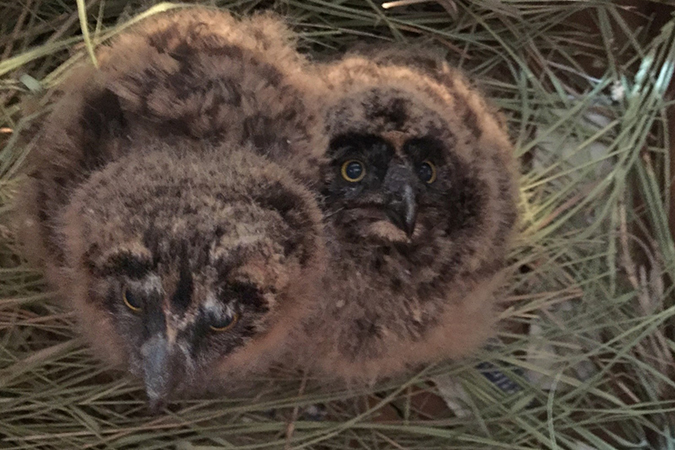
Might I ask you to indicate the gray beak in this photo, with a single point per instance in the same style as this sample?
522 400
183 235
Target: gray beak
402 209
157 371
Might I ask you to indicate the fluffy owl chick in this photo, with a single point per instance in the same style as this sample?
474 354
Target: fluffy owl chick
185 251
420 202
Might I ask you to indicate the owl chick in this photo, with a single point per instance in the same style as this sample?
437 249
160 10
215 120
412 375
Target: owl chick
419 199
155 204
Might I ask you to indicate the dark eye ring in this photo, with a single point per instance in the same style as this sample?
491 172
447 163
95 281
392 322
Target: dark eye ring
427 172
353 170
225 323
132 302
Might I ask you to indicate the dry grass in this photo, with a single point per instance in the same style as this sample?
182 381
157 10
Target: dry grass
587 347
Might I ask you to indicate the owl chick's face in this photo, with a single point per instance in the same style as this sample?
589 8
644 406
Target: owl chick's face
411 159
394 175
189 258
391 187
181 301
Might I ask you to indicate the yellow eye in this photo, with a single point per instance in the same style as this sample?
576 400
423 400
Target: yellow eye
427 172
132 302
353 170
225 323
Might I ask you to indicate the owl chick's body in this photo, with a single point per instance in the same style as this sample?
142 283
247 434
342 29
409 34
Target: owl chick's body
419 202
165 199
203 74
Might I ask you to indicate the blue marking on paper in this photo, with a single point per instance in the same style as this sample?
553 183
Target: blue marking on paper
497 377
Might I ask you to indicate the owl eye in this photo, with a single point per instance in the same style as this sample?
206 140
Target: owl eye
132 301
224 323
427 172
353 170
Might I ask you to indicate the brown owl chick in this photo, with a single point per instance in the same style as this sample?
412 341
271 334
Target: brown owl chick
419 198
185 251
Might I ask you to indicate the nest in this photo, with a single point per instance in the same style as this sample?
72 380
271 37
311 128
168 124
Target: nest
584 359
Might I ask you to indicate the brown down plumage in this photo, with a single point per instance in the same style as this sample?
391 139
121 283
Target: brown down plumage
419 199
167 198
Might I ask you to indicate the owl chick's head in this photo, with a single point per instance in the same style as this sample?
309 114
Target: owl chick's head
188 258
417 162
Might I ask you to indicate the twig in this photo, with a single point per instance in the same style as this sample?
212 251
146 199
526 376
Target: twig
396 4
16 31
290 428
69 22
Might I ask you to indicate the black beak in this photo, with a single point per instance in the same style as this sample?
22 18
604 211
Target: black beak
157 371
402 209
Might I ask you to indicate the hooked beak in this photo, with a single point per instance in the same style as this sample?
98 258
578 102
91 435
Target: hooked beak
402 209
157 371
